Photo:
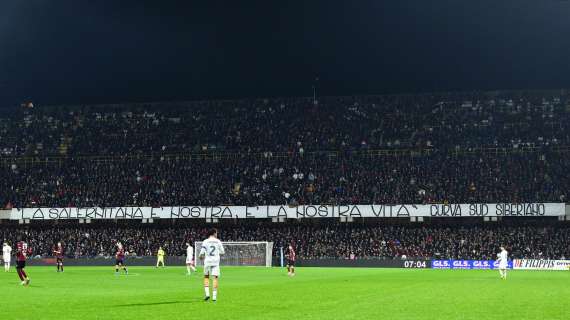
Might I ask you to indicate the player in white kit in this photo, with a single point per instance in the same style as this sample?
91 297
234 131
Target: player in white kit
503 260
6 256
211 250
190 258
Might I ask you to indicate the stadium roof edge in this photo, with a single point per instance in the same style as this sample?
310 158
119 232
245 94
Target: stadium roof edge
189 103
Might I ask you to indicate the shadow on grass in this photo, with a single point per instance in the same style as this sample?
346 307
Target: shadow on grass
157 303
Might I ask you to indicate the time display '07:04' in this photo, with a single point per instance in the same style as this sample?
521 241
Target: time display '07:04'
415 264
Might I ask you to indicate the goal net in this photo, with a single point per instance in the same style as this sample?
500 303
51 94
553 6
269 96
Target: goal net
241 254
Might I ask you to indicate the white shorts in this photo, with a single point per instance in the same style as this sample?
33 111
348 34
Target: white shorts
212 271
189 261
503 265
6 259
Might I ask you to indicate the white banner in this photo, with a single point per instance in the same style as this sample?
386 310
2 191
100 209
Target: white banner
296 212
533 264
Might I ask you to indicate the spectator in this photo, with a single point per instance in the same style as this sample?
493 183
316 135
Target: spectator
330 240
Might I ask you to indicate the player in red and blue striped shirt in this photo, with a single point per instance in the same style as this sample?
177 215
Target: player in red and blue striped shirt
291 256
120 259
22 253
58 253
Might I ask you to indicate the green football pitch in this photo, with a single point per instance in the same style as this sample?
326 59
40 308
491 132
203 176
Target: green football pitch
268 293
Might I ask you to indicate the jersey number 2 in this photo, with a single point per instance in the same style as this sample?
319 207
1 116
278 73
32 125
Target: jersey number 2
212 250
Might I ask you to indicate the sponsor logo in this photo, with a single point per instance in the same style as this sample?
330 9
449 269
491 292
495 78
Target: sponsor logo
443 264
534 264
482 264
467 264
461 264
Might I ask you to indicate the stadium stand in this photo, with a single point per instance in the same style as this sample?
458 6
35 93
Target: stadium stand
386 149
433 148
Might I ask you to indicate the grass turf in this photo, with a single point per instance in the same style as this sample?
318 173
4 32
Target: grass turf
267 293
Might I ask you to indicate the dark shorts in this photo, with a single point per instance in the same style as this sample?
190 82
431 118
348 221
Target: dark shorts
59 260
120 262
291 263
20 264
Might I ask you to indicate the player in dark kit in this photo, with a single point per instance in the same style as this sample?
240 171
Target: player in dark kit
58 253
291 256
22 252
120 259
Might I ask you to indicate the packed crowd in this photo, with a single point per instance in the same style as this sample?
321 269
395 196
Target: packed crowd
338 241
442 121
437 178
260 152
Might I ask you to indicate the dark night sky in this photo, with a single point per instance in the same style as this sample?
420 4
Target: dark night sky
60 51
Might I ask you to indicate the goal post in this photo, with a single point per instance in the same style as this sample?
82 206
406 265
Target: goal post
247 253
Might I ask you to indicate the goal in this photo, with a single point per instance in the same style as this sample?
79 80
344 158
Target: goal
258 253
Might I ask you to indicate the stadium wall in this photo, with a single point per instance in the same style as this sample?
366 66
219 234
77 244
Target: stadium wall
139 261
181 261
524 264
365 263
